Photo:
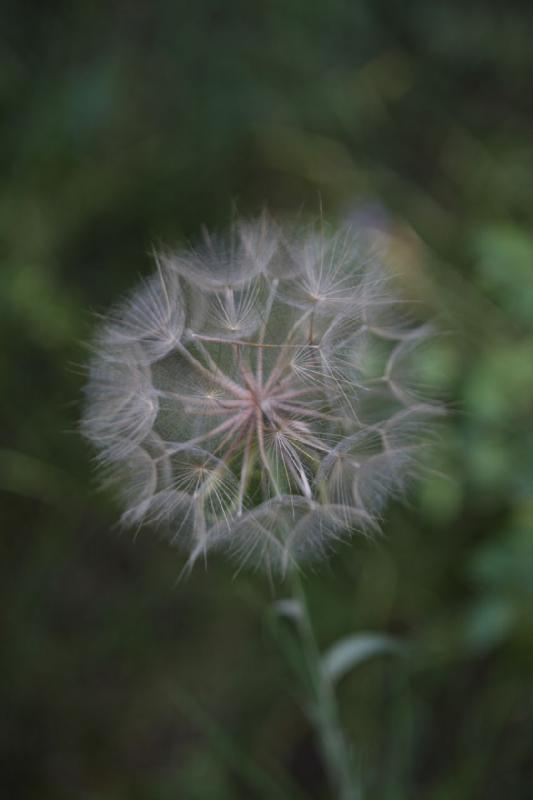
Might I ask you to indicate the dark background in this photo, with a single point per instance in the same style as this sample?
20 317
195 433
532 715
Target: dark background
130 123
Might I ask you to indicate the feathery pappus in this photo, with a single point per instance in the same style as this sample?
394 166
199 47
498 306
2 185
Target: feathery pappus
259 394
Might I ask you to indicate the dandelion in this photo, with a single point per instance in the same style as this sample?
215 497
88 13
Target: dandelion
260 394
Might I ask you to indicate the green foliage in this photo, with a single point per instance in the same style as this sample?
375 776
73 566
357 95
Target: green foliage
131 123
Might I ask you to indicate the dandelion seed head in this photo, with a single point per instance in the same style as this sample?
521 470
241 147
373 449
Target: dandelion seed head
259 394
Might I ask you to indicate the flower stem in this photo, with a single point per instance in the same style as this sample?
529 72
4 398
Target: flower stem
324 710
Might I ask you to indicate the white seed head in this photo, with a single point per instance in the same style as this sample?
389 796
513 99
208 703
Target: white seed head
259 394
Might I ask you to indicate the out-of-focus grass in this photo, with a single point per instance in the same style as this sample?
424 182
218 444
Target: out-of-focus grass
129 125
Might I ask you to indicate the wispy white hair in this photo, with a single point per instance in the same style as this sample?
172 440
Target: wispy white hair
259 394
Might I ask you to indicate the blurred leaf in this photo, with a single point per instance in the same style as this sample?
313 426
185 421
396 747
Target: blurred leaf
348 653
489 622
500 383
505 264
506 564
288 607
501 571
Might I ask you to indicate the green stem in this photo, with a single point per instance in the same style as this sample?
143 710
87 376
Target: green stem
324 710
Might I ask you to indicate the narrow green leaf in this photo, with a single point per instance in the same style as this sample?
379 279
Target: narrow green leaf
353 650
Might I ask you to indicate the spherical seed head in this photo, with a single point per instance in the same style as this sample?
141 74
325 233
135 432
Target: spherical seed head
259 394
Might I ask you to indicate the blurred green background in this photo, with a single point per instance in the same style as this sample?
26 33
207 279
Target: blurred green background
131 123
